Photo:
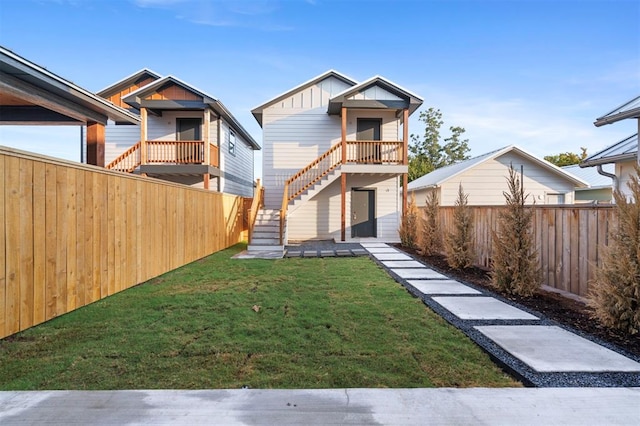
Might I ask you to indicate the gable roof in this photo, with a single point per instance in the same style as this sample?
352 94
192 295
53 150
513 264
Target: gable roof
32 78
443 174
135 98
413 100
626 149
591 175
630 109
257 111
128 81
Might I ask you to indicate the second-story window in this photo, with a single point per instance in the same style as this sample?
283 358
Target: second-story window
232 143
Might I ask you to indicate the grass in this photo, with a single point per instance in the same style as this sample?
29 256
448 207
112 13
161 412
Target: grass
317 323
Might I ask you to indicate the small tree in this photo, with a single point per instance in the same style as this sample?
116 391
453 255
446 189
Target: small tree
458 245
431 232
615 292
515 266
409 226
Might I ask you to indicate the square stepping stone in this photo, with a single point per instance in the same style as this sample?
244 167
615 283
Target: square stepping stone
482 308
328 253
391 256
368 245
554 349
343 252
293 254
382 250
402 264
418 273
359 252
310 253
442 287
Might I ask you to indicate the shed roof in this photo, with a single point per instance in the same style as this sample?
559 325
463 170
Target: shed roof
443 174
257 111
626 149
25 80
134 98
630 109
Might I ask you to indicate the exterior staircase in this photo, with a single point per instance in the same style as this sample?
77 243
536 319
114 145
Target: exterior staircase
266 232
314 189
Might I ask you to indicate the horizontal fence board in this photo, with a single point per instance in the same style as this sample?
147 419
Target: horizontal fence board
569 240
72 234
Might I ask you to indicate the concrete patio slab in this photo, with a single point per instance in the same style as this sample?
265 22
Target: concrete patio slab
553 349
402 264
381 250
391 256
482 308
372 245
418 273
446 406
442 287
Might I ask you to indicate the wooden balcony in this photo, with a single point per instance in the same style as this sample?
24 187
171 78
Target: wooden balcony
180 152
375 152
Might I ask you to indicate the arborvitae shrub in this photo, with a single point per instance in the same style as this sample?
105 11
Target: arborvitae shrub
615 293
431 231
458 245
514 263
409 226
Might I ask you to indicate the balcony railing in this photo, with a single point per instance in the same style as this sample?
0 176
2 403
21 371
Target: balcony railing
375 152
165 152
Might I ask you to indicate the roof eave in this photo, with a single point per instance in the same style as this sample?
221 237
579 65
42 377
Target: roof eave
632 113
609 160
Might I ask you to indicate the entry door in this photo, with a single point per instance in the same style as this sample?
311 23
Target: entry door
188 129
368 130
363 216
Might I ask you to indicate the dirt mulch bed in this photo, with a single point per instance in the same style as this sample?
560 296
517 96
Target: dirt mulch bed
554 306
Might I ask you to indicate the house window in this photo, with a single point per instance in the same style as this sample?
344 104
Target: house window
232 143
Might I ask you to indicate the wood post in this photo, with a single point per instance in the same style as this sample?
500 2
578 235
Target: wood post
95 144
405 157
206 133
143 135
343 206
344 136
206 181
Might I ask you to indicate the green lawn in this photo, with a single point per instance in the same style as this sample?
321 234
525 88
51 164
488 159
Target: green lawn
321 323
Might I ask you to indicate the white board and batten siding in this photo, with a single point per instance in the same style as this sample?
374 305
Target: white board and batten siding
624 171
320 217
486 182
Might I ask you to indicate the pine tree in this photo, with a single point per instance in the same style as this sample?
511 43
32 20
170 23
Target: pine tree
459 249
431 232
515 259
615 292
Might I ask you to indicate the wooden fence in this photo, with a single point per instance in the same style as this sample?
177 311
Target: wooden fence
72 234
569 240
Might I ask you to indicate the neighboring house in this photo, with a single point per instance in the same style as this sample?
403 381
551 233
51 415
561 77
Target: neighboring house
624 154
600 189
484 179
185 135
339 148
32 95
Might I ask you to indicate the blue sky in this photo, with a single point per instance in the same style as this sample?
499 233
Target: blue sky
531 73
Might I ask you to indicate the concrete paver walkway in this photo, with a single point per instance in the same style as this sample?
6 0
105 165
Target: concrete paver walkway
536 350
584 406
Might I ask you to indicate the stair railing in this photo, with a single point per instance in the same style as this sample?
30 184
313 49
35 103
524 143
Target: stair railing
127 161
256 205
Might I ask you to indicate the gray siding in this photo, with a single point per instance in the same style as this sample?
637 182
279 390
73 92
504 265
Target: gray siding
118 138
236 170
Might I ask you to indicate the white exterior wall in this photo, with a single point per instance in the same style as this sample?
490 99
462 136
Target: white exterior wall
486 182
118 138
236 170
624 171
320 217
296 131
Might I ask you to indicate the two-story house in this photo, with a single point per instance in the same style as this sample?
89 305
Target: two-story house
185 135
335 158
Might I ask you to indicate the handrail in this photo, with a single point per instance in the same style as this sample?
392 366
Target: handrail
313 172
127 161
283 211
179 152
256 204
375 152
